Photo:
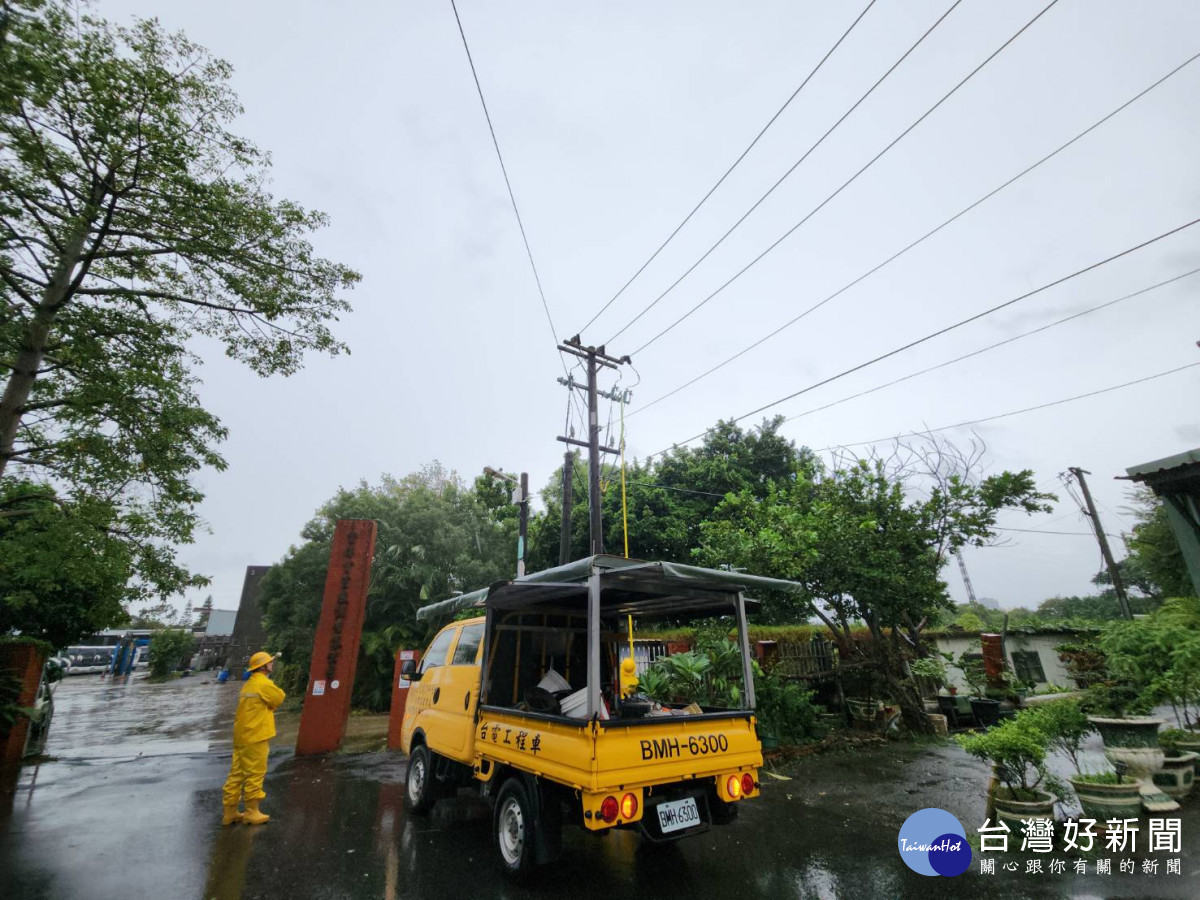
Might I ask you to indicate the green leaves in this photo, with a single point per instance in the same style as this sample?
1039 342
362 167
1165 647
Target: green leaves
133 222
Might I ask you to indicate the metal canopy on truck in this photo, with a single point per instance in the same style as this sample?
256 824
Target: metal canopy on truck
674 581
605 587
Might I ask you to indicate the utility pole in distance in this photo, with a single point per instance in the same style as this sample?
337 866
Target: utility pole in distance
1113 571
520 496
568 497
595 357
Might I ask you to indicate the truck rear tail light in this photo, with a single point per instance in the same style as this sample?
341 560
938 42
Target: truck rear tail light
733 787
609 809
747 784
629 807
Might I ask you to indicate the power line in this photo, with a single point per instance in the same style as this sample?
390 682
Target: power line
786 174
850 181
919 240
507 183
667 487
1089 534
958 324
983 350
1017 412
728 171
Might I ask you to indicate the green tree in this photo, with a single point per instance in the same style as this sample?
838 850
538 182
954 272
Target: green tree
436 536
132 224
1154 554
866 552
668 498
170 648
62 574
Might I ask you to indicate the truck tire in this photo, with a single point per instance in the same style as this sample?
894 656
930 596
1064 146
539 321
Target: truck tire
420 782
514 826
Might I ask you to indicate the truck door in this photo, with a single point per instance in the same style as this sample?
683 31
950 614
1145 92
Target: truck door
427 697
460 692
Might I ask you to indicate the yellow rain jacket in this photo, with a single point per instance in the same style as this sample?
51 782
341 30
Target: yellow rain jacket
257 702
253 728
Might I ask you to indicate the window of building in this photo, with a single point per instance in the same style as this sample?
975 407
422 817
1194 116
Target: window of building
1028 666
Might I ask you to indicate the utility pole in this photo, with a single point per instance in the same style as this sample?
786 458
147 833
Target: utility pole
520 496
962 567
1118 583
595 357
568 497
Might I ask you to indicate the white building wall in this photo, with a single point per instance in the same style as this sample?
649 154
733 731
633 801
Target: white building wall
1042 644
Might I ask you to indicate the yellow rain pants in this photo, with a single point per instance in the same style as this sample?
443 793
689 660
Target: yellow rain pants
253 727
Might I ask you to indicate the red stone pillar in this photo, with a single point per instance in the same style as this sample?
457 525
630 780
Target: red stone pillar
335 649
993 657
400 686
24 661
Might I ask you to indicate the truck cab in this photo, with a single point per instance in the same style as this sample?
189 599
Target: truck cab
528 703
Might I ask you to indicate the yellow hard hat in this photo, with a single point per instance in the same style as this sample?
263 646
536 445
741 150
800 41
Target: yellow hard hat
259 659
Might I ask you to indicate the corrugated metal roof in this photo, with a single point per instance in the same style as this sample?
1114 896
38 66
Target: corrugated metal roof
1188 458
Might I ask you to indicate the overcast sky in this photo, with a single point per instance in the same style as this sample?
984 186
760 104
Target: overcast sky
614 119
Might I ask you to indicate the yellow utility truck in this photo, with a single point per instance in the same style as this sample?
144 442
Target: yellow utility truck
535 703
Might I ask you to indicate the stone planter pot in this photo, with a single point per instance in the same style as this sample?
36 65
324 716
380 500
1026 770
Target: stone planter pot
986 712
1133 742
1011 812
1109 801
863 711
939 723
1177 774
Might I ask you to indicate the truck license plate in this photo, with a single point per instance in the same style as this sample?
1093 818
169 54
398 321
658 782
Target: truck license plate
678 814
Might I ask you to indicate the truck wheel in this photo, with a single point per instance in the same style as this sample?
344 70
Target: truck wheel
419 784
515 829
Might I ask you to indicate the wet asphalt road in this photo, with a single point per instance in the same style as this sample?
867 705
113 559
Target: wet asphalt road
130 803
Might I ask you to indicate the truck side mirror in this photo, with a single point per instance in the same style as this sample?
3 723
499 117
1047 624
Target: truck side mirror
408 669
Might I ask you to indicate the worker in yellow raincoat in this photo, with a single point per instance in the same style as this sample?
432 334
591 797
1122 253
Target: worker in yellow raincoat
253 728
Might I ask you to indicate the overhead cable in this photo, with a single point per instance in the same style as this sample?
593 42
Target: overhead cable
511 196
786 174
729 171
955 325
958 215
1017 412
1002 343
849 181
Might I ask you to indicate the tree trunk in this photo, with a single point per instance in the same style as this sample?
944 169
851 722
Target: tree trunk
33 348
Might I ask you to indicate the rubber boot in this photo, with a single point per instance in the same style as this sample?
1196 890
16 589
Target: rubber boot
253 816
232 816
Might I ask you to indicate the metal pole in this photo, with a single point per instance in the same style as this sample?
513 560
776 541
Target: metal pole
593 656
523 523
1118 583
744 641
568 496
595 525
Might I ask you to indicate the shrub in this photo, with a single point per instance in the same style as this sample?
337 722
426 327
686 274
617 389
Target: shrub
169 649
1064 724
785 710
1017 751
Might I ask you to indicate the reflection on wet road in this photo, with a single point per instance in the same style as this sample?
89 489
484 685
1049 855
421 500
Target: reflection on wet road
99 821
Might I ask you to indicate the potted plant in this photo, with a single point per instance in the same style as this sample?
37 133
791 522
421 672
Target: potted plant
1178 770
985 709
1103 795
1016 748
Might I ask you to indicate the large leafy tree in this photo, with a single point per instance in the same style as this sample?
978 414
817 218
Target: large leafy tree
435 536
667 498
1155 560
133 223
868 550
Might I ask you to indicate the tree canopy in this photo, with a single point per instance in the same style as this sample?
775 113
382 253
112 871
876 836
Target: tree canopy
436 536
134 228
